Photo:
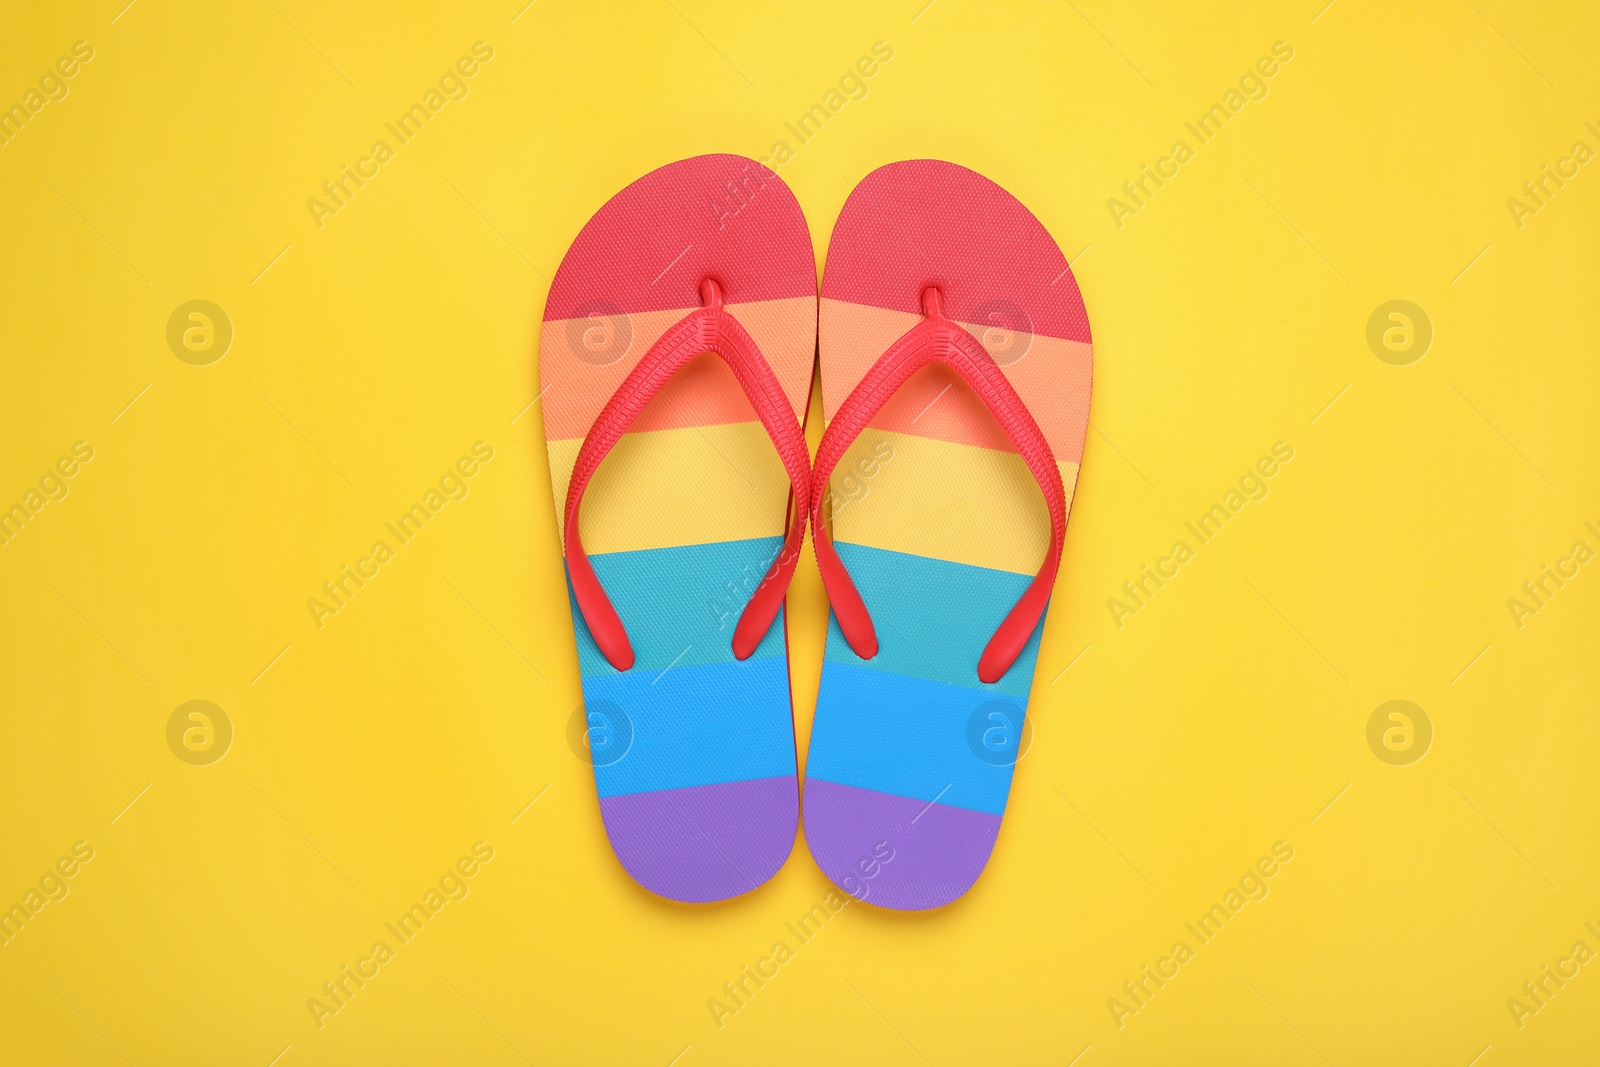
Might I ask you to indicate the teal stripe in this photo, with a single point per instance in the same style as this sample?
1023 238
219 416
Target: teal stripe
680 605
699 725
687 713
933 618
914 721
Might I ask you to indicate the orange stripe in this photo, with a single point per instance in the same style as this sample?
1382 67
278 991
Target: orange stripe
1052 376
576 381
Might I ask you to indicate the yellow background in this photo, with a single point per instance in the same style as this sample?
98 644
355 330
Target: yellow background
425 716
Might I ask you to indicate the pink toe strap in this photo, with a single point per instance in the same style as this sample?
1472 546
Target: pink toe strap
936 339
710 329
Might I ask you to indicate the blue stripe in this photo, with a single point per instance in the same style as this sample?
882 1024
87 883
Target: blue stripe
914 721
697 725
933 619
680 605
914 738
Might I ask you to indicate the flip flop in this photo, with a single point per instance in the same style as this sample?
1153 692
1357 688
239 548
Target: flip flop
955 364
677 347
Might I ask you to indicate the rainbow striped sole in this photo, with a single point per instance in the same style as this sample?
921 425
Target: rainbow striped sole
940 525
693 750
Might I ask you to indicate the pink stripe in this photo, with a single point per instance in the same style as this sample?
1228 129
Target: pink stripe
648 247
925 222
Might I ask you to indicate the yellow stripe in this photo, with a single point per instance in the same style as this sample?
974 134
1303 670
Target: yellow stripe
690 486
942 500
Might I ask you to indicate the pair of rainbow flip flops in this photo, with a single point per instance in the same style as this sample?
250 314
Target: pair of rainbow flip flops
676 365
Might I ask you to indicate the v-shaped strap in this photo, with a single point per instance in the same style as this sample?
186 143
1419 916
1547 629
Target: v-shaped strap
710 329
936 339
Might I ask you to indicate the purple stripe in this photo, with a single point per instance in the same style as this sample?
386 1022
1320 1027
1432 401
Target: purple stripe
935 851
704 842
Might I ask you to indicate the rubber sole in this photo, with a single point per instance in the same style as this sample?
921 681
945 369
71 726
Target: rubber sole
940 525
693 750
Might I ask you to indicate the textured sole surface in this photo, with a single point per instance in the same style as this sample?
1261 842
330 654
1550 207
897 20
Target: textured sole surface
693 750
940 525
